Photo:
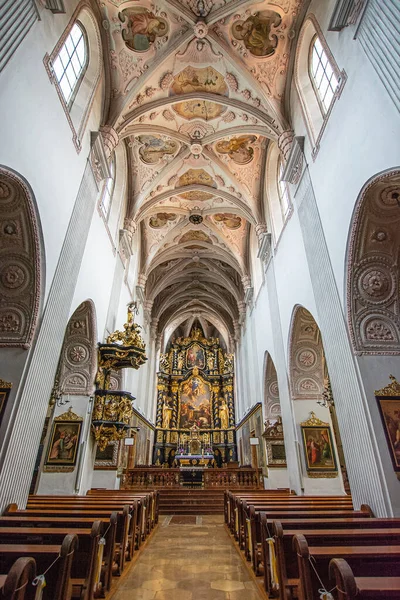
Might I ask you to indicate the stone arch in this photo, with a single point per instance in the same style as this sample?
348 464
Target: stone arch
20 261
373 295
78 360
306 371
272 406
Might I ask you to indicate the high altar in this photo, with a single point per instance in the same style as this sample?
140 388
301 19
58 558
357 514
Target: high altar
195 423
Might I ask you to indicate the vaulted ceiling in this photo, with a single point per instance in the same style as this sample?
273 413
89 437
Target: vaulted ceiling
197 95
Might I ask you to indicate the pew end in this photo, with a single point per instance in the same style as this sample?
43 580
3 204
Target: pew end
18 583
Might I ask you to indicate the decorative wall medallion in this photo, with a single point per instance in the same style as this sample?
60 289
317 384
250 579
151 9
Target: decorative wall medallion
19 262
257 32
376 283
273 389
77 368
141 28
306 358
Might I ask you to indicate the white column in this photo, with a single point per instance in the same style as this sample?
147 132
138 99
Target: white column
35 388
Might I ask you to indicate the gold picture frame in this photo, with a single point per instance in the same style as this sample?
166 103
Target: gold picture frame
5 388
318 448
62 449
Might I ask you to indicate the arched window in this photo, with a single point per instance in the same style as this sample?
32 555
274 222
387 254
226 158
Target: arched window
71 62
322 75
108 190
318 80
284 198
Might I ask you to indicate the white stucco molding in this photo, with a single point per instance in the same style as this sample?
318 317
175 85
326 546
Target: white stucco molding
340 15
56 6
294 164
98 157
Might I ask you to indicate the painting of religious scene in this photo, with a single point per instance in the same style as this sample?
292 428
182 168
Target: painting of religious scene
195 357
154 148
196 196
159 220
239 149
195 404
64 443
141 28
196 177
256 32
230 220
318 447
199 109
195 236
199 80
390 414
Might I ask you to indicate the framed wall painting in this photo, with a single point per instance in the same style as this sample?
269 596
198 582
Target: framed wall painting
318 448
64 440
107 459
5 388
388 400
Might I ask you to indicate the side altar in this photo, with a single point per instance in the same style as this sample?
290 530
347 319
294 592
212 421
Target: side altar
195 423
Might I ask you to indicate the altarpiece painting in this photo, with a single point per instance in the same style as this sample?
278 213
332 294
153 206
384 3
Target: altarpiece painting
64 440
5 389
195 393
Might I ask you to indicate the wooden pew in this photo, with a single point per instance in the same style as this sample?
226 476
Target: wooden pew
136 506
73 509
349 587
84 564
283 531
15 519
58 578
365 561
17 583
250 532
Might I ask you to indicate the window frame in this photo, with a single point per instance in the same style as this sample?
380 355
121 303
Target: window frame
69 103
107 190
283 191
324 109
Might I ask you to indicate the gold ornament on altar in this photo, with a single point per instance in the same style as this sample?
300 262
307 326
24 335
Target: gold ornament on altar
167 413
104 435
224 414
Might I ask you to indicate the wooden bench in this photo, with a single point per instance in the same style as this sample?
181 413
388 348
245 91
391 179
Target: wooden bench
282 533
85 558
349 587
58 578
17 519
17 583
364 560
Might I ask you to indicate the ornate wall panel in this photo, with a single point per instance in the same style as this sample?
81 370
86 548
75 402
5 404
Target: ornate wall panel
373 268
19 262
306 372
271 392
78 356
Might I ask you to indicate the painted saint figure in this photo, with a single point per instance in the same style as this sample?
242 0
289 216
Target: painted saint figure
142 28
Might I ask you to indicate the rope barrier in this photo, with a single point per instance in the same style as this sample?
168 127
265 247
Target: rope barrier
21 587
272 562
324 594
40 581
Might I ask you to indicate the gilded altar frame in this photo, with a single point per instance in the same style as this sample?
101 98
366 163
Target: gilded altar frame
318 441
388 399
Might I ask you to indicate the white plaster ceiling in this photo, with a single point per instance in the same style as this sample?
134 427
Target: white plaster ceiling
197 94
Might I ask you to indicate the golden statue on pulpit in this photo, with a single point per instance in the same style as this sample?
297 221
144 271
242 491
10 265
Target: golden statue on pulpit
224 414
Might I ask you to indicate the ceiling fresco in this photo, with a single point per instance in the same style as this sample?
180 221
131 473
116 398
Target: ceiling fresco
196 97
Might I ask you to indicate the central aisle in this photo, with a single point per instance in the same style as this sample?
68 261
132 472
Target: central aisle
189 558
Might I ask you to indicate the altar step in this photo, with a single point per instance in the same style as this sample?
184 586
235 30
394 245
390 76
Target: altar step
191 502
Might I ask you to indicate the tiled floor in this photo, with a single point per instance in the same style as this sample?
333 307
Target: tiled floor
189 562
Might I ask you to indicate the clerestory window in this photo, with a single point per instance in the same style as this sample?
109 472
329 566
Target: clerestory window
283 191
322 75
70 63
108 190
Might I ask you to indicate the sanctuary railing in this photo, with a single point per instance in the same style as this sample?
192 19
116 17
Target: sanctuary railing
158 477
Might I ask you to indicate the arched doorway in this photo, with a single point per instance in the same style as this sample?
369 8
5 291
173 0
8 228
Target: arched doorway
324 472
